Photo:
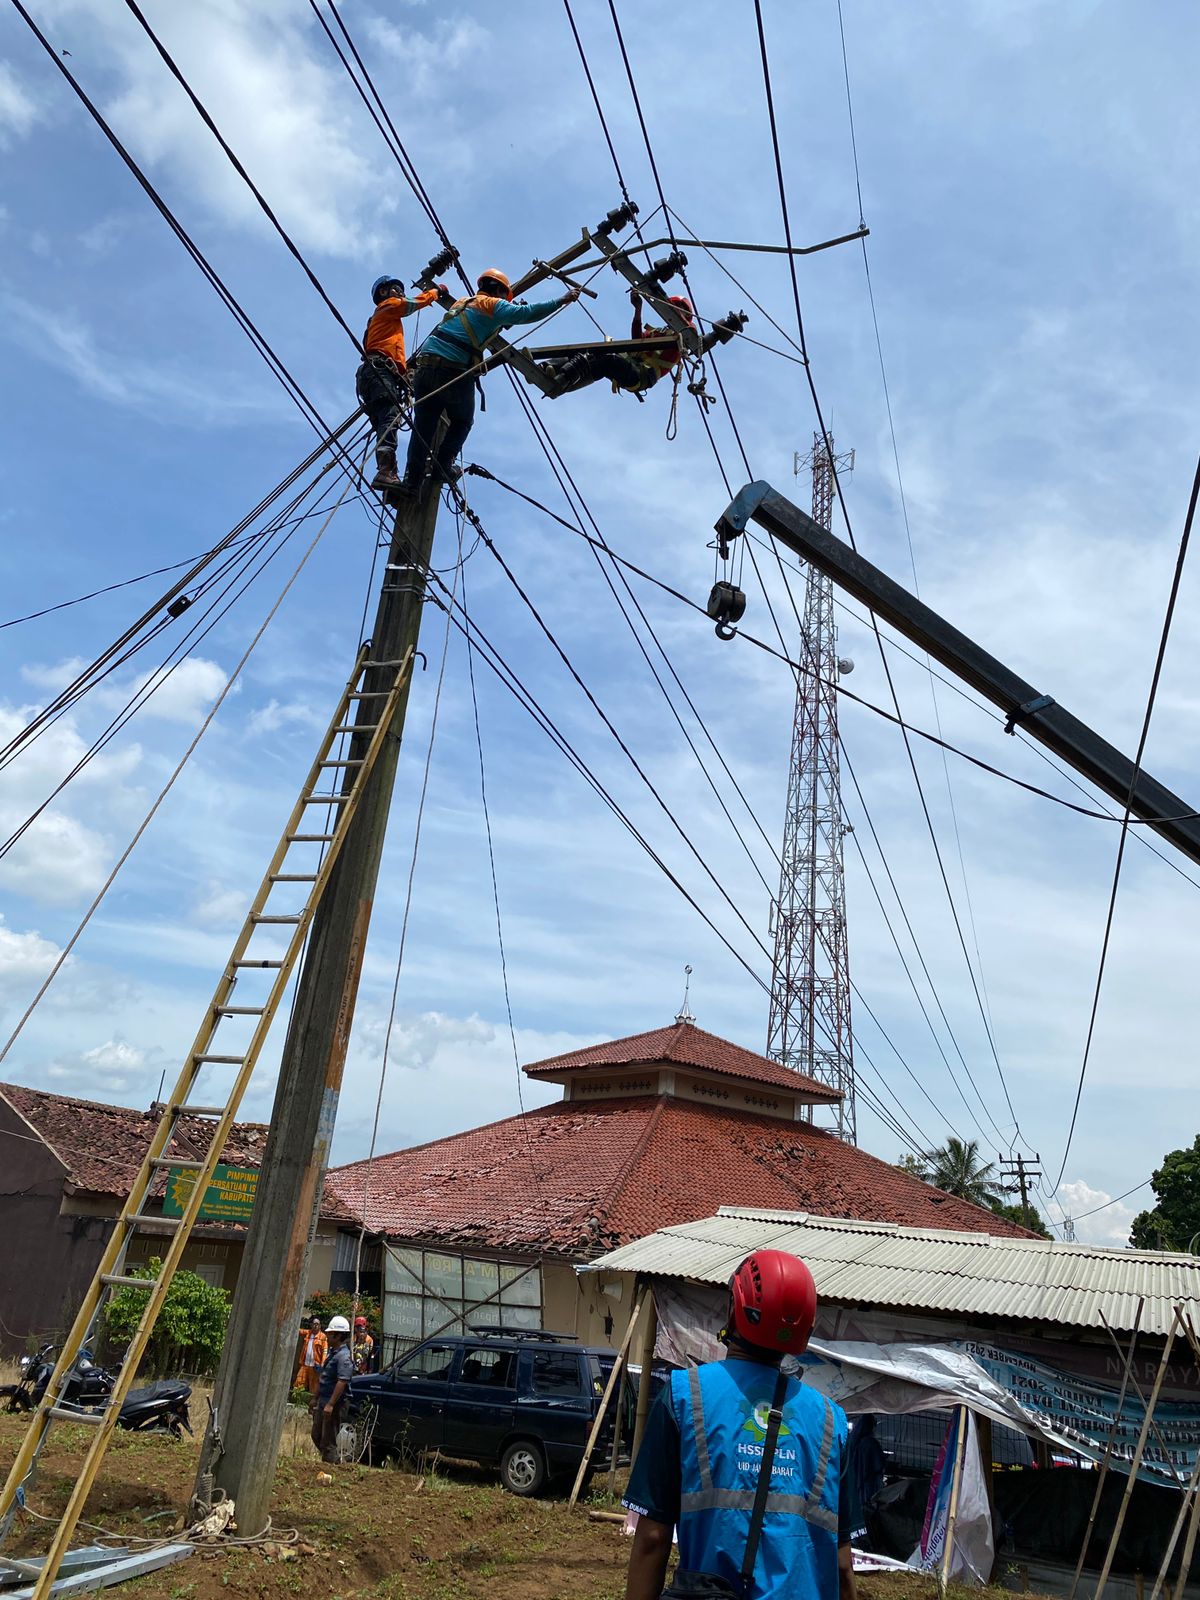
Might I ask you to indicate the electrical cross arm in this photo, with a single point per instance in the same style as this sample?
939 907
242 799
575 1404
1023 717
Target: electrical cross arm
1023 706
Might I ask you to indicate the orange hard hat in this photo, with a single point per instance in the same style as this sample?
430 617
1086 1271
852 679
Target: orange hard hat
494 275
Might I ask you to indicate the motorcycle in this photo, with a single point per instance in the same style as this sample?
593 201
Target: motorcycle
161 1406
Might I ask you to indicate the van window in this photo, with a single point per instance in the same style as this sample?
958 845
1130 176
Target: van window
493 1369
556 1372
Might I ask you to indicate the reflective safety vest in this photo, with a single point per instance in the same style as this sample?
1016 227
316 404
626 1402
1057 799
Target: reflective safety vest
721 1409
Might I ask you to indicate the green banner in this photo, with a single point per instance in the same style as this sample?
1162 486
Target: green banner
229 1197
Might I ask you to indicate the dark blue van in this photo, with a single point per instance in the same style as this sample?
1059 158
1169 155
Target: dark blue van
522 1401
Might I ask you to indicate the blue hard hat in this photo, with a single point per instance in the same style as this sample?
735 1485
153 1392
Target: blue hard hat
381 284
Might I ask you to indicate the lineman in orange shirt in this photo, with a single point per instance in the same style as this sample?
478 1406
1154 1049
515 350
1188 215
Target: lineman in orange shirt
314 1347
382 380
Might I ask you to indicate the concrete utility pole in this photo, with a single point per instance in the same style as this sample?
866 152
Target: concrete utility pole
241 1443
1023 1171
809 1025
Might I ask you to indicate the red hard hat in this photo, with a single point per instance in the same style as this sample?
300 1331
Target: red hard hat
360 1322
684 304
774 1301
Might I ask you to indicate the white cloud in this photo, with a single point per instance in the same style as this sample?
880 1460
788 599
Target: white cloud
24 957
278 98
1109 1226
278 714
120 379
187 694
52 676
220 906
18 113
114 1055
427 58
60 858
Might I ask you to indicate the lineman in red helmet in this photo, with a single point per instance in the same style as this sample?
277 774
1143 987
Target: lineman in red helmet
697 1468
635 373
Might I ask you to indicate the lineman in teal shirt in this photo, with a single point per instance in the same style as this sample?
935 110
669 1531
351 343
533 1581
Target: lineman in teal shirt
697 1468
443 371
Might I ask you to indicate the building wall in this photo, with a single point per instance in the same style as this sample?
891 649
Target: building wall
594 1307
46 1259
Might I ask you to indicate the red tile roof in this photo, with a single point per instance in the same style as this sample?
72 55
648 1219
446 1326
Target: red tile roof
686 1045
102 1146
576 1181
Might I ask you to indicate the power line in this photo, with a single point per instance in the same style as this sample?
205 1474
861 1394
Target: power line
937 714
508 676
176 597
1155 678
787 230
182 649
306 407
65 952
236 163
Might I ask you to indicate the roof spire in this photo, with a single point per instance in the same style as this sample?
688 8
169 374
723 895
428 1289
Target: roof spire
683 1014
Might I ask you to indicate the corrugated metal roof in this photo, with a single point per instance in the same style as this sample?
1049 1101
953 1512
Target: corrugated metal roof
930 1269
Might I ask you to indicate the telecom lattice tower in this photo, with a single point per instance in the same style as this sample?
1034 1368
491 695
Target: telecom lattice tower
809 1029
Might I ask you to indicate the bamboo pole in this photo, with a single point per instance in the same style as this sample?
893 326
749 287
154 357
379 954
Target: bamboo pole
646 1360
964 1420
617 1421
1187 1502
1102 1475
1189 1544
618 1364
1139 1451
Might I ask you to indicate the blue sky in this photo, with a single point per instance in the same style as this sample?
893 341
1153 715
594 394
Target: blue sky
1027 174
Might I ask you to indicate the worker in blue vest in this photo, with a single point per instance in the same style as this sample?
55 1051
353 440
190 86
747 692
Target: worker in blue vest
697 1468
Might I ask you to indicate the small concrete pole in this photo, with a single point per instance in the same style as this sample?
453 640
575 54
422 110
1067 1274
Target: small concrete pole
241 1443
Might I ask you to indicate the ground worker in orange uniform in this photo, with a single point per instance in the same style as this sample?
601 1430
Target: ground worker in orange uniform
382 379
314 1347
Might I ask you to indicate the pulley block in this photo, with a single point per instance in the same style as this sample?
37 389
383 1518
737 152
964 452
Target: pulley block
726 606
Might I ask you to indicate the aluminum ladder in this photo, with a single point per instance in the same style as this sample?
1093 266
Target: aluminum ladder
302 857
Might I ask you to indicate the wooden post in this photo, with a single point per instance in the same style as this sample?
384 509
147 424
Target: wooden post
964 1422
1139 1451
618 1364
1108 1443
616 1438
983 1432
646 1361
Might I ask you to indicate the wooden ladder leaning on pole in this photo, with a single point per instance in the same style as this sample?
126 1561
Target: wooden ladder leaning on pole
211 1122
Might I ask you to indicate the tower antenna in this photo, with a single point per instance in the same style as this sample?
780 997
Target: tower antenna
809 1027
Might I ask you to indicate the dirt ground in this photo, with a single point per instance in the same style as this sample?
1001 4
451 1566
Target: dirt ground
451 1534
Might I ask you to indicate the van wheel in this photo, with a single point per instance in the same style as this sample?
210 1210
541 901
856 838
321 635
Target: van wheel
522 1468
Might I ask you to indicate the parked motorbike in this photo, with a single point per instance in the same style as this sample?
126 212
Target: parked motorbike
161 1406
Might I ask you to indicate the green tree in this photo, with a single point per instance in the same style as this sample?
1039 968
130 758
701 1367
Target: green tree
1025 1216
959 1169
915 1166
1173 1223
326 1303
190 1330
